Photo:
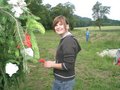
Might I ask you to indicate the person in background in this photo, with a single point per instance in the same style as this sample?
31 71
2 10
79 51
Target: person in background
68 48
87 35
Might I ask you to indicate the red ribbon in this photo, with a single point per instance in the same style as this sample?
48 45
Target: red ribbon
27 41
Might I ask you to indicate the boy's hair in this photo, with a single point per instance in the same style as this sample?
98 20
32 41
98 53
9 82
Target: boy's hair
61 19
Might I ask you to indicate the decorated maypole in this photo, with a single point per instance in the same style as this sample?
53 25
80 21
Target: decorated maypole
18 43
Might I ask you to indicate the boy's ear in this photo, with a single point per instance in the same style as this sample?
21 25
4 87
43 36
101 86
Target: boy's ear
67 27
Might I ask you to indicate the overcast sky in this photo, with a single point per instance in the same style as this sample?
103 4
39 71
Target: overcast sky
83 8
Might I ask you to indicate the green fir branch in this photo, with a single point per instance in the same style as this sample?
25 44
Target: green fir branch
17 26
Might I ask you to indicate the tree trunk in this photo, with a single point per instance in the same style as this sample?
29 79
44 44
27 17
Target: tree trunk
99 27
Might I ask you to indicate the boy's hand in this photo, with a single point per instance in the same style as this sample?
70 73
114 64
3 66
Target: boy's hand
49 64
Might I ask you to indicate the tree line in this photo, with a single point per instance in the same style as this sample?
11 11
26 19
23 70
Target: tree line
47 14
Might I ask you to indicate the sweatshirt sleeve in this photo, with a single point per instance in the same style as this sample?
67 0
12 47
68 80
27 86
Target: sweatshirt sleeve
69 52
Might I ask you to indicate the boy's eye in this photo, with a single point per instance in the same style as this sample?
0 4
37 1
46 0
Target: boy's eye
60 24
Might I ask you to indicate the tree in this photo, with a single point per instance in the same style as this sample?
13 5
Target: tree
66 9
47 13
42 11
99 13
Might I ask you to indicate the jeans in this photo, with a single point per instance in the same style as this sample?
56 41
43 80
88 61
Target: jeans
63 85
87 38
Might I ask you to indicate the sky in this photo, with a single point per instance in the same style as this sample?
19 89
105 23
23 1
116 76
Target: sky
83 8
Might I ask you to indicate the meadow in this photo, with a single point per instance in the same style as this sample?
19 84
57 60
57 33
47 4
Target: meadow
92 71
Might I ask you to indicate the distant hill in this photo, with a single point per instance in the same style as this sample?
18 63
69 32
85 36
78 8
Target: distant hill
85 21
110 22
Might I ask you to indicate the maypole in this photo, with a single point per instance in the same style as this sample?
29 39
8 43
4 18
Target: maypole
18 44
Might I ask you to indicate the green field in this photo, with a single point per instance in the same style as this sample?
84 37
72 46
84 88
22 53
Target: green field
92 72
103 28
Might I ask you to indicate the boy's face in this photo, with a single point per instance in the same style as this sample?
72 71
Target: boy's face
60 29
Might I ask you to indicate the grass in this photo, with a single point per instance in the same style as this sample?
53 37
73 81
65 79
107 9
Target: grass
92 72
103 28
